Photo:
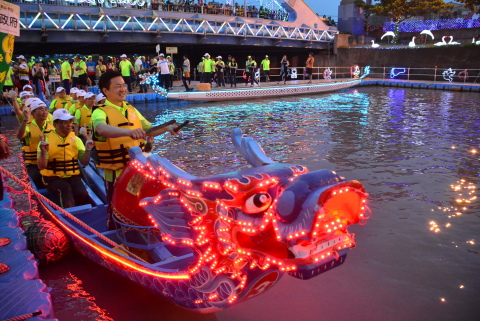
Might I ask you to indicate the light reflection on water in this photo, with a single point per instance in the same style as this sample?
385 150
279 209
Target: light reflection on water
412 149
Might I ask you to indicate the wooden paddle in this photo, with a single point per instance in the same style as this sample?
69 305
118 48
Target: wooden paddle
158 130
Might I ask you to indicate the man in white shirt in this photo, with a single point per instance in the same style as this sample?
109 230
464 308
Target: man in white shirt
164 70
138 70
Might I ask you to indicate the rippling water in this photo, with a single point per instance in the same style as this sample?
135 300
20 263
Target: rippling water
416 152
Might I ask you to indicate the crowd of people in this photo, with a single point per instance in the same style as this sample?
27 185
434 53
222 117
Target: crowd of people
61 136
193 6
44 75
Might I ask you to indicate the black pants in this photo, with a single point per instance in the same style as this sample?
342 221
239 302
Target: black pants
66 85
70 191
207 77
184 80
220 79
232 79
164 81
128 81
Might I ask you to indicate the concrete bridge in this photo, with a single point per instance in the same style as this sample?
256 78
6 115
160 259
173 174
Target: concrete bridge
63 23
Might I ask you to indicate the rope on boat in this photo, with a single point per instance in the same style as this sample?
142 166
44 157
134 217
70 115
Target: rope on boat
24 317
30 189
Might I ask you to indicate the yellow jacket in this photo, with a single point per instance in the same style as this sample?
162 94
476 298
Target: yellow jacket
30 142
62 156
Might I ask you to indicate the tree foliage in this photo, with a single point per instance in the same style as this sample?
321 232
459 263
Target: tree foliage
400 10
473 5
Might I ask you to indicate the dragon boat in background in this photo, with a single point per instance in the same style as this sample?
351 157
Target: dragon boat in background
271 91
207 243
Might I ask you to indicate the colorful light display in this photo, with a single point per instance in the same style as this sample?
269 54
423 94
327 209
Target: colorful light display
448 74
394 72
152 81
327 74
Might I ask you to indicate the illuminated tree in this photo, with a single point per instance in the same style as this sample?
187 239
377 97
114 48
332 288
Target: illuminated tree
400 10
473 5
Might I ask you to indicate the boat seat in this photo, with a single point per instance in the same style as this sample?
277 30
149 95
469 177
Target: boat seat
76 210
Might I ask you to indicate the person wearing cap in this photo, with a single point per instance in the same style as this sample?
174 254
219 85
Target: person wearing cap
186 72
19 104
35 123
22 71
250 69
58 154
220 68
266 67
80 102
117 127
66 75
139 69
91 70
60 101
100 99
73 98
309 66
80 76
164 70
232 72
127 71
209 68
83 115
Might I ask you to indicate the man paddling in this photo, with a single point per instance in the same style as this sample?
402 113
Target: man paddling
118 126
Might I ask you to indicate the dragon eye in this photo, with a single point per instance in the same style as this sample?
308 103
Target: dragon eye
257 203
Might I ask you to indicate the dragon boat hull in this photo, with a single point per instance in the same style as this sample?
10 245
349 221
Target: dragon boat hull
263 92
205 255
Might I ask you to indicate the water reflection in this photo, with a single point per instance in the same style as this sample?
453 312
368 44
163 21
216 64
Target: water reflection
413 149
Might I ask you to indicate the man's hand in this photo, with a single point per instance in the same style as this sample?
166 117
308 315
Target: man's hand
44 145
138 133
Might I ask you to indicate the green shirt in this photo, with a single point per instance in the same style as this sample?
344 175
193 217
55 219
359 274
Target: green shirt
125 68
66 70
100 117
209 65
265 64
8 78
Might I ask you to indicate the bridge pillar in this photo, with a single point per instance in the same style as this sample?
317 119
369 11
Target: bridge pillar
350 18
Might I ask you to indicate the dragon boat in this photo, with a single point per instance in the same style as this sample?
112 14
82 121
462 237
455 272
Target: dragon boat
239 93
207 243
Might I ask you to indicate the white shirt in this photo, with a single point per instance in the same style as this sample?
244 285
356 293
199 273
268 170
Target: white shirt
138 65
163 66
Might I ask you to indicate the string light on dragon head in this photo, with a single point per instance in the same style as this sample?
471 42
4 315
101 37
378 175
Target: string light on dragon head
152 81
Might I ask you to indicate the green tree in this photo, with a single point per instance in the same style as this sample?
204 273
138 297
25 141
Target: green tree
401 10
473 5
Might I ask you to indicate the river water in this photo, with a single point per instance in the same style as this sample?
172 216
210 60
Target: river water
418 256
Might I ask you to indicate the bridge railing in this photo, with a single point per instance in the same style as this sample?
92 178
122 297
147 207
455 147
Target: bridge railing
72 20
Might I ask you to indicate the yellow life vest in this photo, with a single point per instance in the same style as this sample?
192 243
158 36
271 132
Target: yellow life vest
86 117
30 149
62 156
58 103
73 108
113 154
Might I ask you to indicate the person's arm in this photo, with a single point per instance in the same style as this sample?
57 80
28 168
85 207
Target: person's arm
76 123
22 132
4 149
85 150
42 153
115 132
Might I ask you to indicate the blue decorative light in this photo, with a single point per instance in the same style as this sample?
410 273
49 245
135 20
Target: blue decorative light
394 72
152 81
437 24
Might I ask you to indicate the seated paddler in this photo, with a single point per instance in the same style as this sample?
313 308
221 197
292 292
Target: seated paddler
118 126
58 156
35 123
